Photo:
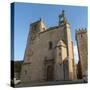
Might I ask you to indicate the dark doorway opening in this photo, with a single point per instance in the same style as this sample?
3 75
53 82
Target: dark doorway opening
65 69
49 73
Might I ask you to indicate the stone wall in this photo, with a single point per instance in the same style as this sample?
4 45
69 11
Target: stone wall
42 53
81 37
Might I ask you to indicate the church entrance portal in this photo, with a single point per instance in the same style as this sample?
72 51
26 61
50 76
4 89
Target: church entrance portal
49 69
49 73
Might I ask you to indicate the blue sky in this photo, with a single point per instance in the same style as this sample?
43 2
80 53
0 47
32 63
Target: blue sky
26 13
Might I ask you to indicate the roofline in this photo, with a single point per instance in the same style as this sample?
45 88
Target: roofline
36 22
49 29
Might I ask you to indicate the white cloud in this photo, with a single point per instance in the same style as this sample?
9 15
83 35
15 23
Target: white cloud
75 54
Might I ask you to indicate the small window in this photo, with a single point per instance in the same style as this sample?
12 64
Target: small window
50 45
81 35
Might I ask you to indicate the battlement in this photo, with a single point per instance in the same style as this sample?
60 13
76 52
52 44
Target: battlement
80 31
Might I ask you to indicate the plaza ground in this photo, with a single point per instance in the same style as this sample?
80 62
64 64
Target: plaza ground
48 83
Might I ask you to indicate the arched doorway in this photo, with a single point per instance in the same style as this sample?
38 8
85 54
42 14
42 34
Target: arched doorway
50 73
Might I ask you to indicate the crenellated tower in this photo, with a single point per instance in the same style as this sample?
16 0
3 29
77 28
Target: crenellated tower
81 38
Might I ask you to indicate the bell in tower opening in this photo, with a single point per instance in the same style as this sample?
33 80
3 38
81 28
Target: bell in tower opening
62 18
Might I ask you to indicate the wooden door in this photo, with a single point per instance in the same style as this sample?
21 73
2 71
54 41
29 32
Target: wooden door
49 73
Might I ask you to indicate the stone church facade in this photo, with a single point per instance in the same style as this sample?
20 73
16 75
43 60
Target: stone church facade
49 52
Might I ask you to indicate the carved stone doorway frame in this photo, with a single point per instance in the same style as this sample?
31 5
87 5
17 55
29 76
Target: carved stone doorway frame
49 70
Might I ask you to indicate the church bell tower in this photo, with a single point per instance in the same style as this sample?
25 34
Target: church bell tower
62 19
69 44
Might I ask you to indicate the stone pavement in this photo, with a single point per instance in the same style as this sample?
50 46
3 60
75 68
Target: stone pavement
31 84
